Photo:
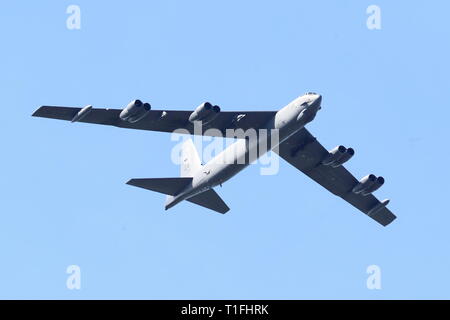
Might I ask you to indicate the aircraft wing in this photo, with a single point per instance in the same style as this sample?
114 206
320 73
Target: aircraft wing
163 120
304 152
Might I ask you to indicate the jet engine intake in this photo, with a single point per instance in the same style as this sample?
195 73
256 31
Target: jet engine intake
205 112
334 155
344 158
368 184
374 187
135 111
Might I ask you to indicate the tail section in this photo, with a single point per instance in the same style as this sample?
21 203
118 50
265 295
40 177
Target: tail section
190 161
190 165
172 186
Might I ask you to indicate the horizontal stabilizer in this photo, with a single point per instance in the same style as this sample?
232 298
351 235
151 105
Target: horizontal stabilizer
170 186
210 200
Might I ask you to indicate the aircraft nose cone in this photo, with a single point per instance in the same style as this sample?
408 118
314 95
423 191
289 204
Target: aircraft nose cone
315 102
318 100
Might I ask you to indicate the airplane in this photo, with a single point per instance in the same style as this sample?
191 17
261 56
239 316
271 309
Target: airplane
295 144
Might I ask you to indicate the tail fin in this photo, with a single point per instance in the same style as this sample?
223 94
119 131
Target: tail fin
190 161
189 164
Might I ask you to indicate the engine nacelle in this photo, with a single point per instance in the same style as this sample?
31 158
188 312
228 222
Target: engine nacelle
344 158
205 112
364 183
146 107
374 187
334 155
135 111
131 109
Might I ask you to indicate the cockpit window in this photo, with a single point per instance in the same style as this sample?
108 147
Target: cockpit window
309 93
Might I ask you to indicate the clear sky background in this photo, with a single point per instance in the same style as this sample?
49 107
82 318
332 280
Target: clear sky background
64 200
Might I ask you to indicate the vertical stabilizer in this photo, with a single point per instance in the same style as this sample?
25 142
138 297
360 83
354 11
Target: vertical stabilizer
190 161
189 164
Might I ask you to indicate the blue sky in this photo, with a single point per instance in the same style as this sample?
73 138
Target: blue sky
64 197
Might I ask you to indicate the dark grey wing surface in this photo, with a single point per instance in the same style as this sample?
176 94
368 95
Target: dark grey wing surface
210 200
304 152
163 120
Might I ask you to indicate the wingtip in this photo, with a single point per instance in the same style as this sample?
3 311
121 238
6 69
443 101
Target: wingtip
391 220
130 182
225 211
36 112
385 221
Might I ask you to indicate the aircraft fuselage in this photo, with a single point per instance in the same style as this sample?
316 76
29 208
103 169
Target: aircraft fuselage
286 122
